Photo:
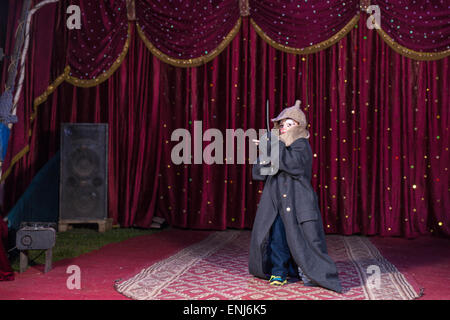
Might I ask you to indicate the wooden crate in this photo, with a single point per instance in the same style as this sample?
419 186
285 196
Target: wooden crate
103 224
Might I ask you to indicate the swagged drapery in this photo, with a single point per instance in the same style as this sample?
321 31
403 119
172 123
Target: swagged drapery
378 119
96 50
301 26
187 33
416 29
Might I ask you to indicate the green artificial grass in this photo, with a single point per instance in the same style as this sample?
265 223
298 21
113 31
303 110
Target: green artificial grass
79 240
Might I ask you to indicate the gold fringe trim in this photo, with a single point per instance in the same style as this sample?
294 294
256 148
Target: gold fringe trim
306 82
37 101
43 97
195 62
65 76
105 75
14 160
416 55
311 49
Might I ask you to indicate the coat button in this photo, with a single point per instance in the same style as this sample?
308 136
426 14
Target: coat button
288 209
284 195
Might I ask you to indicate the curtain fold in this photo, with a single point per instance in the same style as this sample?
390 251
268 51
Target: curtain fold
417 30
303 27
6 272
417 25
96 49
378 123
129 102
187 33
39 62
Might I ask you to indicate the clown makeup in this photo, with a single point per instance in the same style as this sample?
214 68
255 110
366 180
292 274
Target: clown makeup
286 124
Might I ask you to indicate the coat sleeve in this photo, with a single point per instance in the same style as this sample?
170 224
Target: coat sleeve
292 158
256 171
259 164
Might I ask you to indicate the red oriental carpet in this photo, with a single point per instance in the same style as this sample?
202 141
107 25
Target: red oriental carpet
216 268
424 261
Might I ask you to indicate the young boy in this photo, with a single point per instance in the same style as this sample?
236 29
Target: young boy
287 236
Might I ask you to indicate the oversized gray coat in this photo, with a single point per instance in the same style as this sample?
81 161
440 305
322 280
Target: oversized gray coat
289 193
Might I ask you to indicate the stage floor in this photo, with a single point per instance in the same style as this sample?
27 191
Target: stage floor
425 263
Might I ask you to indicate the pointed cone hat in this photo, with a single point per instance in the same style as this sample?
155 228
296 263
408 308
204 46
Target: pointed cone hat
294 113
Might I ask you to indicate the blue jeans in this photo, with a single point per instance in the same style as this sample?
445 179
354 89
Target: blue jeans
279 250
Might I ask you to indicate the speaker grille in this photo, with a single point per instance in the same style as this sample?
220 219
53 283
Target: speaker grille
29 238
83 162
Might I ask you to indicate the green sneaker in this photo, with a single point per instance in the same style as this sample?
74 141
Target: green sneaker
277 281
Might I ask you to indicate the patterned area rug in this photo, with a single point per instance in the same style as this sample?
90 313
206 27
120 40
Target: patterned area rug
216 268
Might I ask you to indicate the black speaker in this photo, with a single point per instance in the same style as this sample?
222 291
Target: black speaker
83 171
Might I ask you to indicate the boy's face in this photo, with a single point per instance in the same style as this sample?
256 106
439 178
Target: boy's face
286 124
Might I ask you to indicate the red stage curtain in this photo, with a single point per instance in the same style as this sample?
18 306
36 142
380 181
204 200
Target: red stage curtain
94 47
186 29
378 123
6 273
301 24
44 57
418 25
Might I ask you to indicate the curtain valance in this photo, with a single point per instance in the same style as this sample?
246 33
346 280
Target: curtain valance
191 33
417 29
187 33
96 49
376 121
303 27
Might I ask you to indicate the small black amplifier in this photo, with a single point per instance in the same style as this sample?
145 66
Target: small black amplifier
36 236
